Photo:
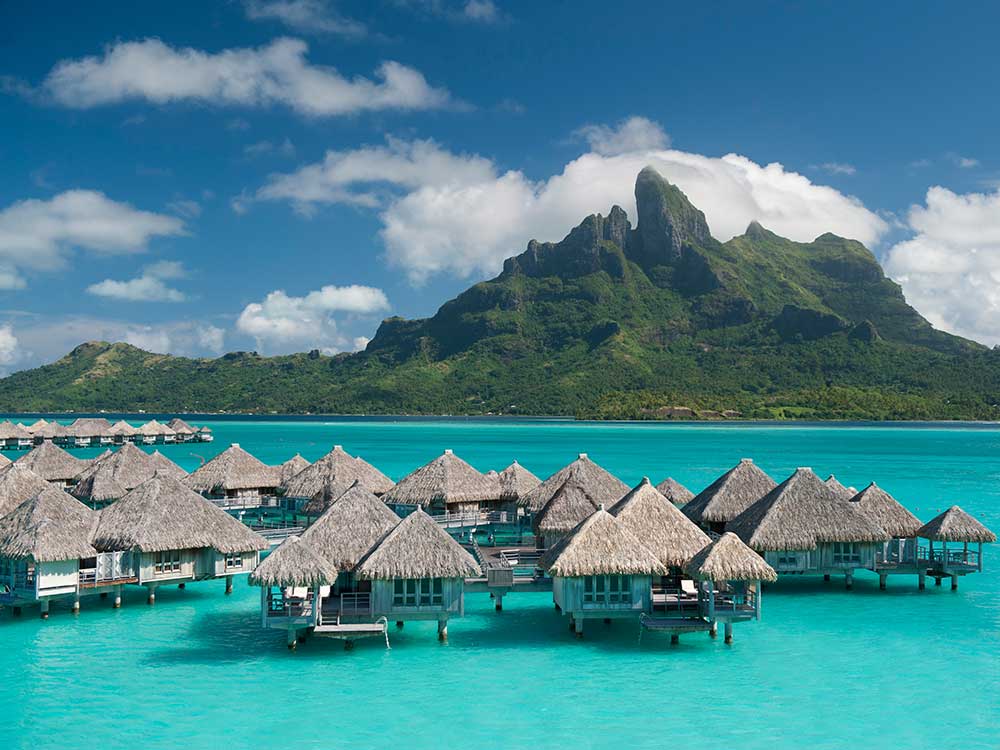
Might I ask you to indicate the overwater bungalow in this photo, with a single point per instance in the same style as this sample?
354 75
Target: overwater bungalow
515 483
235 476
122 432
290 468
445 485
332 475
953 527
184 433
675 492
166 467
154 432
601 570
14 436
802 526
603 486
568 506
53 464
843 492
87 431
733 573
728 496
899 554
17 484
48 432
205 434
35 426
114 476
177 536
46 554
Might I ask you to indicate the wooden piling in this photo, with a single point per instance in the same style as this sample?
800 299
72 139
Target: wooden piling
399 624
713 629
443 630
937 580
954 583
826 578
151 599
16 611
729 633
882 579
182 586
499 603
293 639
849 580
76 604
921 578
118 598
45 609
229 585
675 639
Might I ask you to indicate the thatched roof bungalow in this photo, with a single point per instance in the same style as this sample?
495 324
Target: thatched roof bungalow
661 526
602 485
446 484
516 482
350 527
295 563
48 431
14 435
837 486
115 475
87 431
334 473
571 503
53 464
234 473
183 432
290 468
955 525
17 484
886 512
165 467
675 492
729 559
729 495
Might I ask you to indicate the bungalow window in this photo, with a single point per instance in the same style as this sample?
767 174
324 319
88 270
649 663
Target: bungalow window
612 589
417 592
165 563
845 553
234 561
788 560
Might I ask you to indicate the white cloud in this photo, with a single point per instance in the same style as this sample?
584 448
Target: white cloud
10 348
304 16
481 11
38 234
148 287
284 323
265 148
211 338
10 279
458 213
251 77
633 134
836 167
950 268
965 162
186 208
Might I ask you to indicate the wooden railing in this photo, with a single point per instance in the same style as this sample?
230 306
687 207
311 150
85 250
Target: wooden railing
279 605
968 557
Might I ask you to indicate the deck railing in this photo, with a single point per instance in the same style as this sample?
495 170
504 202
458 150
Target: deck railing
355 603
107 568
279 605
968 557
249 501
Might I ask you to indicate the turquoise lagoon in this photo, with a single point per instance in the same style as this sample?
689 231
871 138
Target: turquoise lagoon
826 668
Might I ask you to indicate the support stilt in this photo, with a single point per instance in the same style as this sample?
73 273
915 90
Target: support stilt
499 603
229 585
118 597
713 629
849 580
348 645
104 594
826 578
45 609
954 583
293 639
578 628
921 578
607 620
399 624
882 579
151 599
16 611
558 608
572 624
729 632
182 586
675 639
443 631
76 605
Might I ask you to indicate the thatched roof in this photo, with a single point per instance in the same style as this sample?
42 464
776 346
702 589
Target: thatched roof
290 468
669 534
569 505
516 482
49 430
800 513
205 429
447 479
163 514
152 428
730 494
675 492
417 548
337 470
52 463
350 527
294 563
729 559
47 527
181 427
318 504
125 469
165 467
233 469
35 426
11 431
17 484
121 427
4 461
845 493
600 545
955 525
88 427
603 485
106 453
882 509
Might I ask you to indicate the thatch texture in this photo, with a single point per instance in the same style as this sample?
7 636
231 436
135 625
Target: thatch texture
675 492
233 469
165 467
11 431
604 486
121 427
669 534
569 505
49 431
729 559
800 513
516 482
294 563
34 427
119 472
4 461
319 503
730 494
17 484
48 527
955 525
417 548
845 493
886 512
52 463
88 427
181 427
163 514
600 545
99 488
290 468
350 527
334 473
152 428
445 480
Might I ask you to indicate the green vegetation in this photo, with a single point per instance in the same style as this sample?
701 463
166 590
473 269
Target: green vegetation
612 322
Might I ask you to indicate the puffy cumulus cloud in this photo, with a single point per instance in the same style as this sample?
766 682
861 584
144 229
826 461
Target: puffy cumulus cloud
285 323
304 16
950 268
633 134
10 279
458 213
148 287
277 73
10 347
211 338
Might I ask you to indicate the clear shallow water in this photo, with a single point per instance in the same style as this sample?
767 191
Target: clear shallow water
824 669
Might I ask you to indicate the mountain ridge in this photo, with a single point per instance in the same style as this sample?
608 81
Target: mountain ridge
612 321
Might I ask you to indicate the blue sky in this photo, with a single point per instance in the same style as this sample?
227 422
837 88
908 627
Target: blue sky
280 175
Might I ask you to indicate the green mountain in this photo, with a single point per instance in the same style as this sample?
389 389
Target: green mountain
613 321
